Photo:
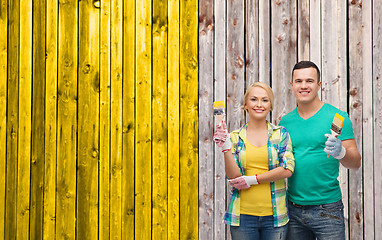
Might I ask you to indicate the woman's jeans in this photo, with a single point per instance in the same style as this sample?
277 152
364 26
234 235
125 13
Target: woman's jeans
324 221
256 228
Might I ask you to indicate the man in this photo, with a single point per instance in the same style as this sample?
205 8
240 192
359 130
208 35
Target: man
314 194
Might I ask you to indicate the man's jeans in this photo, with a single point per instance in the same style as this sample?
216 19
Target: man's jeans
257 228
324 221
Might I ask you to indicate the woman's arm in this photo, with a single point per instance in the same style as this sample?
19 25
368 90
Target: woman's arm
274 175
231 168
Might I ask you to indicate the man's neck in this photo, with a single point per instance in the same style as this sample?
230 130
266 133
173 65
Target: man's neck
307 110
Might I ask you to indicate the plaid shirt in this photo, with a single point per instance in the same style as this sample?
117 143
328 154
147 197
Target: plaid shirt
280 154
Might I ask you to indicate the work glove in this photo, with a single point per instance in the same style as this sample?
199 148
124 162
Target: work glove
333 147
221 137
243 182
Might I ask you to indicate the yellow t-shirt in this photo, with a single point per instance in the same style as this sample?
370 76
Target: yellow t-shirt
256 200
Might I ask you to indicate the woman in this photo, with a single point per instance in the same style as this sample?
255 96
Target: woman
257 165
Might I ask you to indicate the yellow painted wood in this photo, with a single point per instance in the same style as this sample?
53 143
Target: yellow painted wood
49 221
104 153
67 120
128 121
143 115
173 119
159 120
24 140
3 108
116 120
12 118
88 121
189 119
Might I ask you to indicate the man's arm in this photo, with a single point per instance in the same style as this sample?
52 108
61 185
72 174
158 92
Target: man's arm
352 159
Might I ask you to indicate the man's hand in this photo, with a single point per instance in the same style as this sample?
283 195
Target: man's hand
333 147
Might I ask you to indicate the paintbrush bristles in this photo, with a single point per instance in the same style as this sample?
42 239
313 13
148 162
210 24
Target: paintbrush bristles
338 123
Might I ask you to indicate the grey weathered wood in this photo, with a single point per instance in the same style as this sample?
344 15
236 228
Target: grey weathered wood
283 44
206 144
252 41
315 34
219 94
367 126
303 35
377 118
356 113
264 42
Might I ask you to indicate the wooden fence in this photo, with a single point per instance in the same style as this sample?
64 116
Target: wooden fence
241 42
106 108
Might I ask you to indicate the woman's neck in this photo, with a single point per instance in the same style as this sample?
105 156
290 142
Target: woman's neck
257 124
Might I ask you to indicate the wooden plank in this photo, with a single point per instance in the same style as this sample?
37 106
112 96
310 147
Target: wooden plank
252 41
355 111
159 119
12 119
206 121
303 30
264 42
105 127
173 119
88 121
49 231
219 94
116 29
377 118
128 137
67 120
315 34
334 72
24 182
143 152
283 45
367 121
189 119
3 109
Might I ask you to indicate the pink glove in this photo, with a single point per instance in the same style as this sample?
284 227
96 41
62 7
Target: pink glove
221 137
243 182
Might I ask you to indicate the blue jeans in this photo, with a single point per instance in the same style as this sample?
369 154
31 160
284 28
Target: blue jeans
256 228
324 221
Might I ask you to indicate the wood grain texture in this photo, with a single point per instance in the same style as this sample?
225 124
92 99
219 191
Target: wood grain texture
67 120
303 30
252 41
188 119
129 36
143 151
264 42
3 109
173 119
88 121
25 184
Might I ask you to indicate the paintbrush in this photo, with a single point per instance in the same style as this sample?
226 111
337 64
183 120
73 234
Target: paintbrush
338 123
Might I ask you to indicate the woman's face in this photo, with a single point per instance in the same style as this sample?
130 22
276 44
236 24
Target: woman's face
258 103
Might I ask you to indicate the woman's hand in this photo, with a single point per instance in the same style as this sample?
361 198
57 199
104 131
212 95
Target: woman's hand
221 137
243 182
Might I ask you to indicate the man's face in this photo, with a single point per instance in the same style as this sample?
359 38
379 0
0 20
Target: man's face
305 84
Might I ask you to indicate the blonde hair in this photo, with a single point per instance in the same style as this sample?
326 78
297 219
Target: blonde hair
264 86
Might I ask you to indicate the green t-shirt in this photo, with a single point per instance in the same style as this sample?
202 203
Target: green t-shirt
314 180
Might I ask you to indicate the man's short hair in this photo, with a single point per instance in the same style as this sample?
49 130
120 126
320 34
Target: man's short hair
306 64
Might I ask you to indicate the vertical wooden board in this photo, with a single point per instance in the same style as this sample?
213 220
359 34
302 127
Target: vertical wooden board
377 118
333 70
235 64
173 119
303 30
284 56
24 140
38 119
88 121
50 157
219 95
105 128
252 41
367 125
128 137
12 119
355 112
189 119
264 42
116 119
143 157
206 121
315 34
67 120
3 109
159 119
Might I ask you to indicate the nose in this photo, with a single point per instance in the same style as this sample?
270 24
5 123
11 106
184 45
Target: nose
303 84
258 103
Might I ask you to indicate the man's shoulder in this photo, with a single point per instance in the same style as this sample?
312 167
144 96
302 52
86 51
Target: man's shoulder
332 109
